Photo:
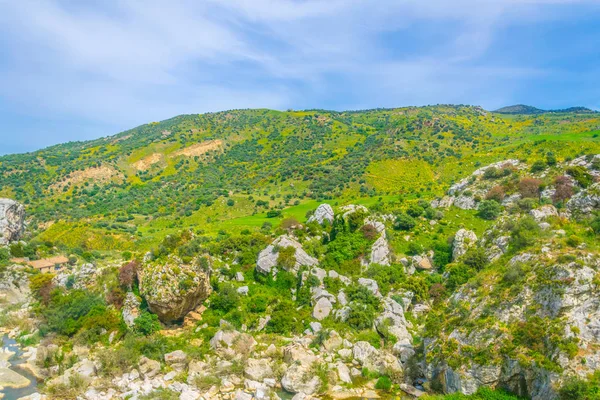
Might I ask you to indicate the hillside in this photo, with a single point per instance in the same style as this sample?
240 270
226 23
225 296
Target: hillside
440 252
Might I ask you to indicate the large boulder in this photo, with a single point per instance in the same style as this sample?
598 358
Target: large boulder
12 221
267 258
172 289
545 211
380 252
323 213
463 240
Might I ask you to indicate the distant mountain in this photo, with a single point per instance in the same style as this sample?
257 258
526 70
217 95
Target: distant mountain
530 110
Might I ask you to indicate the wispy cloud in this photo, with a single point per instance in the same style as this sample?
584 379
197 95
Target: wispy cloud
118 64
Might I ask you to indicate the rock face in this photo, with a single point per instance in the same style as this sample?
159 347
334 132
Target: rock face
585 201
12 221
380 252
172 289
131 309
267 258
462 241
323 213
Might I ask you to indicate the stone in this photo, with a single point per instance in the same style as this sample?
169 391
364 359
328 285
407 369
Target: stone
148 368
545 211
585 201
422 262
11 379
315 326
333 342
343 372
243 290
176 360
12 221
465 203
445 202
323 213
380 252
322 308
319 273
298 379
170 300
240 395
232 343
342 298
463 240
258 369
370 284
239 277
267 258
131 309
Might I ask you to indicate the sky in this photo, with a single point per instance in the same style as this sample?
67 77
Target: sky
76 70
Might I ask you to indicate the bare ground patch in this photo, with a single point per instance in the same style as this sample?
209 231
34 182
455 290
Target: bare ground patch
101 174
199 148
148 161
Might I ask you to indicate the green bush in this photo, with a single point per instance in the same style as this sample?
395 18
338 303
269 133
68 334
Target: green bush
581 175
458 274
579 389
283 319
226 299
404 222
489 209
476 258
146 324
383 383
524 233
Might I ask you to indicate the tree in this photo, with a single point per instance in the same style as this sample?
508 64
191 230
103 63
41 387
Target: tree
476 258
489 209
563 189
538 166
41 287
128 274
404 222
286 258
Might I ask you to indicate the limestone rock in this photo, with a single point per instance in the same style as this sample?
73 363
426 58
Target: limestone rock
182 288
465 203
258 369
322 308
131 309
298 379
323 213
148 368
585 201
545 211
12 221
267 258
380 252
370 284
462 241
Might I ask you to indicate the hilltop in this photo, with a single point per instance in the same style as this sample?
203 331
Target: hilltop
529 110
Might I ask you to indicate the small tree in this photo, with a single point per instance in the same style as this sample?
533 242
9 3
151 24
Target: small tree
563 189
128 274
489 209
495 193
404 222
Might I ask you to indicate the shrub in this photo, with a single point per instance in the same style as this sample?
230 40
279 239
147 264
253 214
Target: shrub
530 187
41 287
146 324
226 299
458 274
489 209
273 213
595 224
286 258
369 232
404 222
282 319
476 258
257 304
361 316
524 233
579 389
563 189
383 383
415 211
537 166
495 193
128 274
573 241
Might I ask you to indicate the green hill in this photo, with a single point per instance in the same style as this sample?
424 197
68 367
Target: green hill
144 182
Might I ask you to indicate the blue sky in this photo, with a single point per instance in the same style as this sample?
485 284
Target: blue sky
73 70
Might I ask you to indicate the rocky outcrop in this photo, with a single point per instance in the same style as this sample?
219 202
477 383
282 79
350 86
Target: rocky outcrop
380 252
172 289
462 241
323 213
12 221
545 211
267 258
585 201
